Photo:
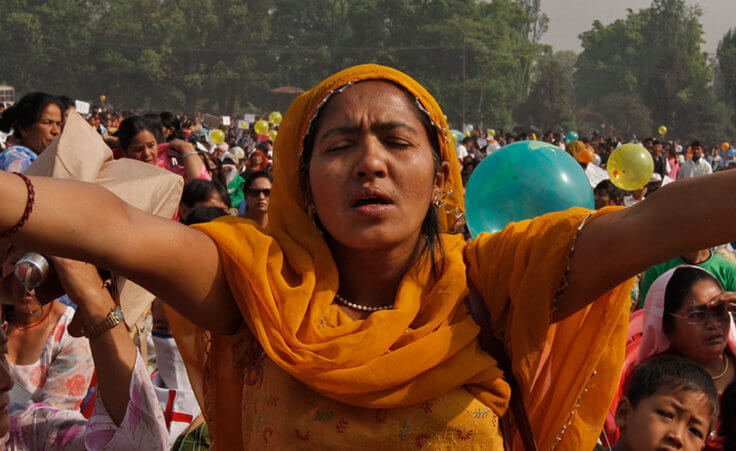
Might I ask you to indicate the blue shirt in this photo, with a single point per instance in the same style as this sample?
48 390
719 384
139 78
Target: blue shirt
16 159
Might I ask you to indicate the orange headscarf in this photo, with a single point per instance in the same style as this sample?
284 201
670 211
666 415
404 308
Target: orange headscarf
285 283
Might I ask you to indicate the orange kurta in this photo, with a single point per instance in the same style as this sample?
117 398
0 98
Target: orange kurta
309 359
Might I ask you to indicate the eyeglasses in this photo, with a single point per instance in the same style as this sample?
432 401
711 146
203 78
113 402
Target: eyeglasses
255 192
722 314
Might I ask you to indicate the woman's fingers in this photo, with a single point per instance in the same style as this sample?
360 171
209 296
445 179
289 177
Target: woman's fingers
727 298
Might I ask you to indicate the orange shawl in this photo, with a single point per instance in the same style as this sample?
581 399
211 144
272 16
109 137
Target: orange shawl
285 281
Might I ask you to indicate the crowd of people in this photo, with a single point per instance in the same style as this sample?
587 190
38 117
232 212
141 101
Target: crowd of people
335 299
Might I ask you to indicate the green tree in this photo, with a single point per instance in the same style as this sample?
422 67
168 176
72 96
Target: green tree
652 57
45 45
549 104
726 55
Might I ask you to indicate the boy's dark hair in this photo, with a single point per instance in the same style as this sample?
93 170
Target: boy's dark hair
675 373
204 214
615 193
728 416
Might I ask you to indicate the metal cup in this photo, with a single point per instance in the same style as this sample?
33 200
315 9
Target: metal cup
31 270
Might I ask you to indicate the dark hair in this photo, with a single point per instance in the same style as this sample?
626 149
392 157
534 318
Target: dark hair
27 112
672 372
430 226
728 416
249 178
696 143
130 128
678 288
615 193
206 213
66 103
154 121
169 120
199 190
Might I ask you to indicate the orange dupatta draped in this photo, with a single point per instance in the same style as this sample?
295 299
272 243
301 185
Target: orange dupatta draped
285 282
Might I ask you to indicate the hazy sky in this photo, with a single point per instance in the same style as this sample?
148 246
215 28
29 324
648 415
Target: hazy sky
569 18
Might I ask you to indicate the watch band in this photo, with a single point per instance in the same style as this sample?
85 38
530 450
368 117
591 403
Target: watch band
112 319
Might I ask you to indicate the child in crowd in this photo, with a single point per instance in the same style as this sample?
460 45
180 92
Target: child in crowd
672 403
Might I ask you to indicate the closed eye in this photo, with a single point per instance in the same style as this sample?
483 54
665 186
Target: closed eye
666 414
697 433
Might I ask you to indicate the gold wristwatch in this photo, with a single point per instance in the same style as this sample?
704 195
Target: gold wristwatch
112 319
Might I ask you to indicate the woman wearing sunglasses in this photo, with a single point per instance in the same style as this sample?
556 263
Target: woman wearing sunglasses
686 313
257 195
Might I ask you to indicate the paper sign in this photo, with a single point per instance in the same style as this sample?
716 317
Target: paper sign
211 121
667 180
81 107
225 120
250 118
595 174
243 125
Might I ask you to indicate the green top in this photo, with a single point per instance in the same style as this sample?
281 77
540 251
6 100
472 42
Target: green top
235 190
724 270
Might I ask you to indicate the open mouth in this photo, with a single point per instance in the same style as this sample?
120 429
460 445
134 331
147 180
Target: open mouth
371 201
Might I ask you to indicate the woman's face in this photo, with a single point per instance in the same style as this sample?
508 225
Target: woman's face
372 173
38 136
258 195
255 160
705 341
143 147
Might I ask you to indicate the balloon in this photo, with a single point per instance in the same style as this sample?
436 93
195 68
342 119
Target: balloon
466 134
263 138
272 135
630 167
534 136
218 136
731 153
521 181
457 135
571 136
491 132
725 146
275 118
103 97
468 128
586 155
261 127
662 130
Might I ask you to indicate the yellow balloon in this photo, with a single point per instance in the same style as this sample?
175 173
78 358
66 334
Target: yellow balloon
630 167
491 132
662 130
218 136
272 135
261 127
275 118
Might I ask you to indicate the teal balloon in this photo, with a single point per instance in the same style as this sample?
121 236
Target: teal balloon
571 136
524 180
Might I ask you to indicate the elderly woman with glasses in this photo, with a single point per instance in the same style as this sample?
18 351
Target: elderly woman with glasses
688 313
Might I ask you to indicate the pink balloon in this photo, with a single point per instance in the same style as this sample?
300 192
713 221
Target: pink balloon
263 138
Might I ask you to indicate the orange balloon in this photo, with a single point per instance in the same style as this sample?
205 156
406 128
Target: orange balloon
725 146
587 155
103 97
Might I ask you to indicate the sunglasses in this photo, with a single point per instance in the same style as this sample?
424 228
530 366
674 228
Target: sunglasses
255 192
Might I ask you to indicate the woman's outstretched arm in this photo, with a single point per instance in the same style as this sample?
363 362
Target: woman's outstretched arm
86 222
681 217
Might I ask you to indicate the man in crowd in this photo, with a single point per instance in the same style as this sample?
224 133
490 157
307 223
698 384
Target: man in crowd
606 194
697 165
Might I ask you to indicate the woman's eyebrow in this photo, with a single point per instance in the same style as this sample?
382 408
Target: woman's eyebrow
381 126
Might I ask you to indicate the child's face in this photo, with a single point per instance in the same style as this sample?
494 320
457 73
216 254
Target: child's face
670 419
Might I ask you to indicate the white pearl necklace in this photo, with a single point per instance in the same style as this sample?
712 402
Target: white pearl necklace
362 308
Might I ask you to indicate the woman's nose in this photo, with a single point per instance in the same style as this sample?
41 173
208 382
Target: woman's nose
372 162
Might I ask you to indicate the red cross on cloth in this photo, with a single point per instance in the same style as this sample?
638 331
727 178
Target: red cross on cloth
170 415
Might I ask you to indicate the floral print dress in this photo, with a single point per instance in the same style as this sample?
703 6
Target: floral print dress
39 426
61 376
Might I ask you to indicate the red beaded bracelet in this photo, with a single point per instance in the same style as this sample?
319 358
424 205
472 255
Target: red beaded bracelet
29 207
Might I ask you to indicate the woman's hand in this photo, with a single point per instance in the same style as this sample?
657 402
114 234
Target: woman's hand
727 299
193 164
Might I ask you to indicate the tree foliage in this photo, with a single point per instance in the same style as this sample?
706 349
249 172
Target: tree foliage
651 58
